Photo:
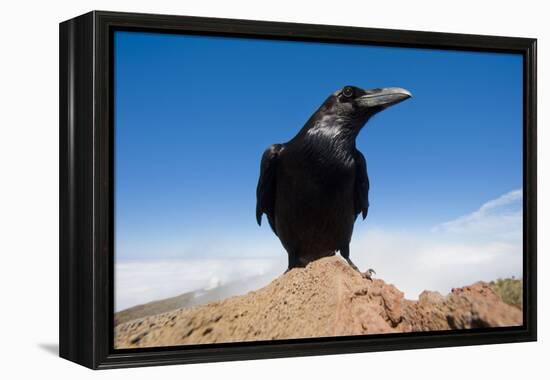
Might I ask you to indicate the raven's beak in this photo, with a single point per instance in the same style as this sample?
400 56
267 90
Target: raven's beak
383 97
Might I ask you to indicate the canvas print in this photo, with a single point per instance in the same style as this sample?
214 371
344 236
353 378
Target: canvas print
272 190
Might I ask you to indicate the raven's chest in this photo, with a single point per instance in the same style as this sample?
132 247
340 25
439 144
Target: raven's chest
324 176
314 207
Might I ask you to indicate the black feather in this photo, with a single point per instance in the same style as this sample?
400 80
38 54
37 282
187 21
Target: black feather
265 191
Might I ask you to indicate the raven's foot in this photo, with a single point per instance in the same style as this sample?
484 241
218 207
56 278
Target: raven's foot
368 274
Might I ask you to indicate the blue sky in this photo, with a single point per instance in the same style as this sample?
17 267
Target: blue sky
193 115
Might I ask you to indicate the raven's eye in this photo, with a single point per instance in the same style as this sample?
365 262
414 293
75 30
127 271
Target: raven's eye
347 92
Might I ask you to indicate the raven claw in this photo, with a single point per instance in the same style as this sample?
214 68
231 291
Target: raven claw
368 274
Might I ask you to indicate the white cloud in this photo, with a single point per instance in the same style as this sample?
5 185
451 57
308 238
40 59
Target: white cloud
483 245
138 282
501 216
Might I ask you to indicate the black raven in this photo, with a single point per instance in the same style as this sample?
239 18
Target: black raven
313 187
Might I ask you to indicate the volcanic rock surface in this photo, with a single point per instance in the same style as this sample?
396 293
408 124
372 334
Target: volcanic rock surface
326 298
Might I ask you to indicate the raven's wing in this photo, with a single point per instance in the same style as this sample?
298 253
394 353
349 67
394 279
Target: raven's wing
265 192
361 185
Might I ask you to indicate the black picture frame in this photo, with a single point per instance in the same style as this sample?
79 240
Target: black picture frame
86 189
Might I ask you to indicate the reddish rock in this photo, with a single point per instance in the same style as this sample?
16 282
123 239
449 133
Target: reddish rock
327 298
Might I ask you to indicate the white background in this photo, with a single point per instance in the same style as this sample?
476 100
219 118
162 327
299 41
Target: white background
29 187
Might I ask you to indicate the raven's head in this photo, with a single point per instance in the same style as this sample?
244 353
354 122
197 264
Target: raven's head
351 107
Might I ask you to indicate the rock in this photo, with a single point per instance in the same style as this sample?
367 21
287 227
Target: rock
327 298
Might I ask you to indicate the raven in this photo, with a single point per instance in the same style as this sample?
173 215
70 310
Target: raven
313 187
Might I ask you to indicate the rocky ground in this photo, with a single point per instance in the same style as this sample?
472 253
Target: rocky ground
327 298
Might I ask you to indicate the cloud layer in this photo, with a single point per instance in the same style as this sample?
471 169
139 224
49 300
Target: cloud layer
483 245
500 217
138 282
